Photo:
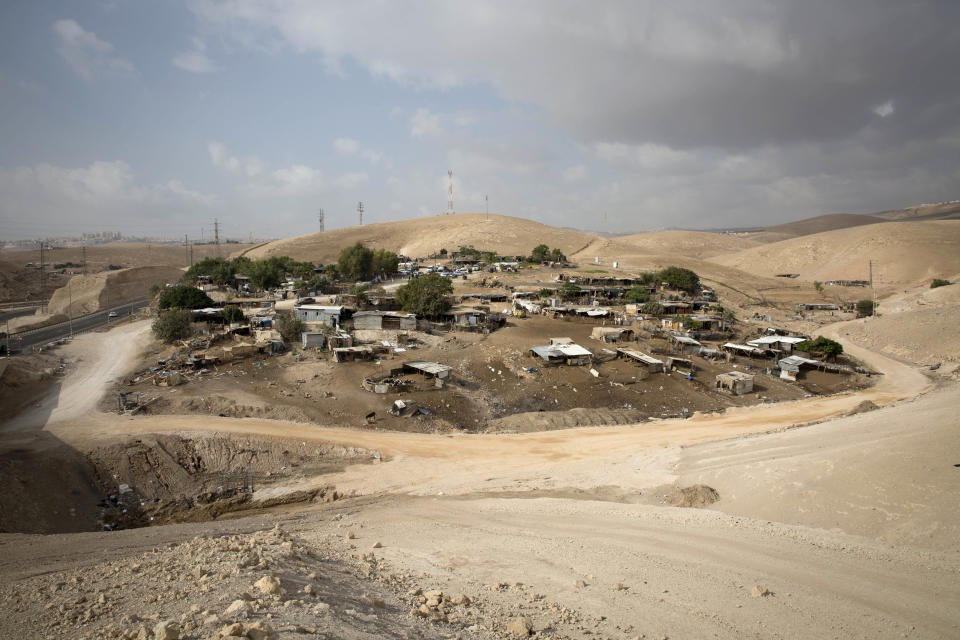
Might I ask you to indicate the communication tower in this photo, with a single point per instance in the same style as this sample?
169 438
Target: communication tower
449 191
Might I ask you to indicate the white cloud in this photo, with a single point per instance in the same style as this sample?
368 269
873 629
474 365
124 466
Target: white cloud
220 156
576 173
351 147
195 60
87 54
644 156
885 109
423 123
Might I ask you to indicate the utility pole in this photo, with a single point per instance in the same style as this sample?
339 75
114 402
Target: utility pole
321 220
216 235
360 211
186 250
70 307
486 203
42 276
83 252
873 291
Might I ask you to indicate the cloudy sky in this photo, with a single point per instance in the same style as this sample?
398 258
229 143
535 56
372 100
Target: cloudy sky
155 118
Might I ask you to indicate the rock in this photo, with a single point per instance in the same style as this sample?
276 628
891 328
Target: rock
260 630
760 592
376 602
376 545
237 607
460 600
579 584
350 535
519 628
309 590
619 587
696 496
235 629
269 585
167 630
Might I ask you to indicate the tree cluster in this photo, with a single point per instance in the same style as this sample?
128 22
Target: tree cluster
172 325
939 282
680 278
358 262
263 274
543 253
866 307
426 296
822 346
183 297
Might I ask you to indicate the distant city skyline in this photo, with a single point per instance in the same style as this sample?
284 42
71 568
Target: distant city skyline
154 119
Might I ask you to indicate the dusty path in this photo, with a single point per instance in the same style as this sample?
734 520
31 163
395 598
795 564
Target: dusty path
96 360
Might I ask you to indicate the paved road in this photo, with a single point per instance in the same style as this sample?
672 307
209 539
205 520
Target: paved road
10 314
22 341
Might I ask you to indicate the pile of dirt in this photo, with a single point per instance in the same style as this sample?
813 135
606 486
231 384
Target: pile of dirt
696 496
107 289
864 407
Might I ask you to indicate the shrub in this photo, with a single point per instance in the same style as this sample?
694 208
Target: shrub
172 325
939 282
232 313
818 286
652 309
568 291
181 297
821 345
289 326
426 296
545 293
637 294
356 262
866 307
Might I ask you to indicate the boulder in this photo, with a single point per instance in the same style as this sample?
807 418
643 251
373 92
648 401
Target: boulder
166 630
269 585
519 628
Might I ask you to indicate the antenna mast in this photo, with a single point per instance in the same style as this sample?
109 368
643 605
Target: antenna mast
320 217
360 212
449 191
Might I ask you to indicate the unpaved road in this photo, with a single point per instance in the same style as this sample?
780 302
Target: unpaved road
95 360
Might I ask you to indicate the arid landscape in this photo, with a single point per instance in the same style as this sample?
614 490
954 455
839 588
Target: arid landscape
275 495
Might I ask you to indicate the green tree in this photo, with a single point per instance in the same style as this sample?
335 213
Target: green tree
172 325
557 256
356 262
569 291
232 313
490 257
546 293
443 252
384 262
181 297
220 270
680 278
426 296
939 282
866 307
540 253
637 294
266 274
360 291
319 283
822 346
652 309
290 327
818 286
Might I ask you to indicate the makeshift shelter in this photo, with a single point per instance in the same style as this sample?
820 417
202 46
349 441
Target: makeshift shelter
384 320
405 408
611 334
313 339
679 363
322 314
429 369
743 350
784 344
653 365
351 354
687 346
571 354
791 365
737 382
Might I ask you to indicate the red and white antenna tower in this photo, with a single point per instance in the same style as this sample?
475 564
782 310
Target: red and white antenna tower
450 192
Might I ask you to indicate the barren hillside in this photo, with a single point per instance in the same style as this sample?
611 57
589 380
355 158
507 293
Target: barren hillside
818 224
693 244
938 211
107 289
902 252
420 237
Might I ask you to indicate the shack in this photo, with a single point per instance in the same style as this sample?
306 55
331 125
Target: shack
384 320
791 365
612 334
563 353
736 382
351 354
428 369
687 346
468 318
653 365
313 339
744 350
330 316
674 363
781 344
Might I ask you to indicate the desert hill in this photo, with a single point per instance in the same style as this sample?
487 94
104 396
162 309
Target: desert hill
902 252
419 237
695 244
938 211
809 226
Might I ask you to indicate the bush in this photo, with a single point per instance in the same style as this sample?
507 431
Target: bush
939 282
866 307
680 278
290 327
821 345
818 286
426 296
172 325
232 313
568 291
637 294
542 253
652 309
545 293
181 297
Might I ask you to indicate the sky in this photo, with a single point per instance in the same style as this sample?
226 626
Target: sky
157 118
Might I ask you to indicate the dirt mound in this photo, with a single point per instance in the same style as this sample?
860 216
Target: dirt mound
696 496
902 252
420 237
863 407
108 289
